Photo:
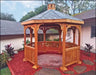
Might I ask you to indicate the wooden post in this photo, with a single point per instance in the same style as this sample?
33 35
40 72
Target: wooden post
36 47
24 36
79 35
44 35
79 38
24 43
60 47
59 35
73 36
30 36
63 28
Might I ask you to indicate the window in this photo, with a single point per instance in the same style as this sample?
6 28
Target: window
93 31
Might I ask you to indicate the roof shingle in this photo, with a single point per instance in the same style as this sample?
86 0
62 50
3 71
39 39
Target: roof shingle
52 14
14 28
87 14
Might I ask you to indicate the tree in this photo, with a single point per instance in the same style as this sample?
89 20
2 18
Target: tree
74 6
27 16
40 9
6 16
70 7
78 6
33 13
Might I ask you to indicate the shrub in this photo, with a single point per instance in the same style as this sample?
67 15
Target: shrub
27 42
9 50
48 40
3 59
88 48
56 39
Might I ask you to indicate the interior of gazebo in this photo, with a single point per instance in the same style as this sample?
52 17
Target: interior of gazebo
70 50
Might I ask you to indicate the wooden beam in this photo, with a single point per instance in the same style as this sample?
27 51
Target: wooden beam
53 21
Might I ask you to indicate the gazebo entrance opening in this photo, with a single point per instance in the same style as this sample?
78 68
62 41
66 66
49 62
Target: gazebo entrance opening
71 50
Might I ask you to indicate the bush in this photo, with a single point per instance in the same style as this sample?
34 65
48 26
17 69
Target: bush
48 40
9 50
27 42
56 39
3 59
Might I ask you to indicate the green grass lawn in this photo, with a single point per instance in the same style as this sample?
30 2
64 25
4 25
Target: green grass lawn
5 71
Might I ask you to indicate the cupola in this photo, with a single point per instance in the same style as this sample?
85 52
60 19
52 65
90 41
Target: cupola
51 5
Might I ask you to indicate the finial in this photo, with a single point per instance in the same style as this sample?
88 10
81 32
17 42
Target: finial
51 5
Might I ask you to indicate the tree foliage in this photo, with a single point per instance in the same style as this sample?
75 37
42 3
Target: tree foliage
33 13
6 16
70 7
74 6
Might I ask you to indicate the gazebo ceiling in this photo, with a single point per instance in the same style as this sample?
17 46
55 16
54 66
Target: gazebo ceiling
53 16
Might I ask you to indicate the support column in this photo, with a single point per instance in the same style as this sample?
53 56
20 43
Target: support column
59 35
74 36
24 44
79 38
44 37
60 47
30 36
24 36
63 27
79 35
36 47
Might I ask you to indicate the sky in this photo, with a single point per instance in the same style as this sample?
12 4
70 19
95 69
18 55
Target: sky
19 7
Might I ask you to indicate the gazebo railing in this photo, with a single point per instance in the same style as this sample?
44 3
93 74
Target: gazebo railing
49 46
71 51
29 53
71 55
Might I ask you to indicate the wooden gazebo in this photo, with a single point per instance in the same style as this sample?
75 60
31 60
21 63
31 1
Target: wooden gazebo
57 20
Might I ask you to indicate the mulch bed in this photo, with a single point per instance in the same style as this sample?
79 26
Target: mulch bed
18 67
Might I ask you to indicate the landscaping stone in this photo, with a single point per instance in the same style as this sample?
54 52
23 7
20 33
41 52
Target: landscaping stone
88 62
16 52
9 59
80 69
89 73
94 60
47 71
68 72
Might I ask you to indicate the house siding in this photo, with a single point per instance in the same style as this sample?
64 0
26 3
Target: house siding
16 41
86 37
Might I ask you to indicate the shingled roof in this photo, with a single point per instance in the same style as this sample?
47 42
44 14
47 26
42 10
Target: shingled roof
52 14
87 14
15 28
10 28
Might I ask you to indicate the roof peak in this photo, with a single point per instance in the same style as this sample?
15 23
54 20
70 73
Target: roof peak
51 5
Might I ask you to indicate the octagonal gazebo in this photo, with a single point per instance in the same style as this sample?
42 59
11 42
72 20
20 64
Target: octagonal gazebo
57 20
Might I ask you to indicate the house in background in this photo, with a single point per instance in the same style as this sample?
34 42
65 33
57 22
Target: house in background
88 30
13 33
